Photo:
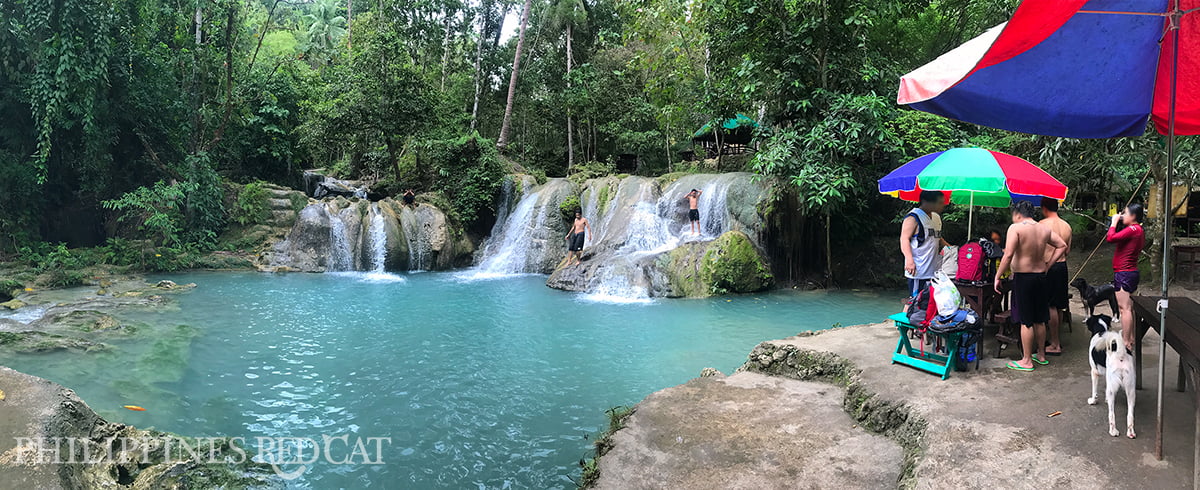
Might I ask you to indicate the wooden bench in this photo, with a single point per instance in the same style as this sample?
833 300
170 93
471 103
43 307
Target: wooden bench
1183 335
929 361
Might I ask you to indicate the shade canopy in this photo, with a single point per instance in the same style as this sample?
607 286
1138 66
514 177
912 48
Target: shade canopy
973 176
738 129
1071 68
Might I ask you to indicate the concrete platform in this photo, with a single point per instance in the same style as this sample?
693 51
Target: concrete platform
985 429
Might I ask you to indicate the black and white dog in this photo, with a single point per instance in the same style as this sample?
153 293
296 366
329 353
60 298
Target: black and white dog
1093 295
1113 360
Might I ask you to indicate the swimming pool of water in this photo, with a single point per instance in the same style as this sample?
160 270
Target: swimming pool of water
483 383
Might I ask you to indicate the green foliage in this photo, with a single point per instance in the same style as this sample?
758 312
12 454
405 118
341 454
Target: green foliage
617 417
568 207
157 211
591 170
467 170
251 207
922 133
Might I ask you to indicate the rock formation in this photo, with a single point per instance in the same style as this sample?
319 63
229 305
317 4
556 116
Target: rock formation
643 246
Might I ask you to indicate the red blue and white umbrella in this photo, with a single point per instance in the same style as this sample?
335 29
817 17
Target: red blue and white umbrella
1071 68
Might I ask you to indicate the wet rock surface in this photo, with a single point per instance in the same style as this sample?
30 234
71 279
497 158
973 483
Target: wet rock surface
36 409
747 430
643 242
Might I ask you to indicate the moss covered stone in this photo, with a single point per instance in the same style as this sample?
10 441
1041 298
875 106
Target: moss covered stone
729 264
733 265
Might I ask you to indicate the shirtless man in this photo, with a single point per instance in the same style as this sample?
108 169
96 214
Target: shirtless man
1056 277
1027 254
693 213
576 237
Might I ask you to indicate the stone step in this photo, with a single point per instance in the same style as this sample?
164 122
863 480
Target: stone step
279 203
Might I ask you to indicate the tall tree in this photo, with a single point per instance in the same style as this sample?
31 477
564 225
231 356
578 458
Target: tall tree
567 13
502 142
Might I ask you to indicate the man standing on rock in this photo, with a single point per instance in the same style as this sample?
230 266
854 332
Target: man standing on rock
576 237
1031 250
693 213
1056 277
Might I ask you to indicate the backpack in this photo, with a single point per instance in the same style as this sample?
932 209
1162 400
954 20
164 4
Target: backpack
950 267
970 262
918 307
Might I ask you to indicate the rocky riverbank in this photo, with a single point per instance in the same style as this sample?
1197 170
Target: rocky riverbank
829 409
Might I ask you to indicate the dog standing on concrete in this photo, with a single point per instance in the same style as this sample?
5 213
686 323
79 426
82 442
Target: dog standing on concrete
1093 295
1112 359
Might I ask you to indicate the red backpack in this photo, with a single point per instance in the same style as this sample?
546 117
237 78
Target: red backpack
970 262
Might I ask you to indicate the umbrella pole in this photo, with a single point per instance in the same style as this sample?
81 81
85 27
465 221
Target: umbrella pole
970 216
1175 17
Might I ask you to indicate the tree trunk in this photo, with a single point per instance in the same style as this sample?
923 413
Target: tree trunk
828 253
502 142
199 22
445 46
479 60
570 122
349 17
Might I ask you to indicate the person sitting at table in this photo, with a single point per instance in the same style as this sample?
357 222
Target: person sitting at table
1127 233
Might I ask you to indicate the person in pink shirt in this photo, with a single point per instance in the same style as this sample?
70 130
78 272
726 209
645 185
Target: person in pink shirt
1127 234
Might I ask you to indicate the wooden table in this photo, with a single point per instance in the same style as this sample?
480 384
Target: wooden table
1183 335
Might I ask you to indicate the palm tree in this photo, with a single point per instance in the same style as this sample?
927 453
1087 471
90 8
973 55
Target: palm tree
326 27
502 142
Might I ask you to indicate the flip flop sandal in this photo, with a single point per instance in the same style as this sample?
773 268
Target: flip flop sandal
1017 367
1039 361
1053 354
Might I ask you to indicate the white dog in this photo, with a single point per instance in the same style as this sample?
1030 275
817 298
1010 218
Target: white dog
1112 359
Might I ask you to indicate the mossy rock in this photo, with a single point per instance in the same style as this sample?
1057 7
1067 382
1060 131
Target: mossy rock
32 342
90 321
733 265
729 264
13 304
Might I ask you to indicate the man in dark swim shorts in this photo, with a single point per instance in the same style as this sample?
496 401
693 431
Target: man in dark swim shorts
575 239
693 213
1027 254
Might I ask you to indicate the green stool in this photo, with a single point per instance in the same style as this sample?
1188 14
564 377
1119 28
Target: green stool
928 361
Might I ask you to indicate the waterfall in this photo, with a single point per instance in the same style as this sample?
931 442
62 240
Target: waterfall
418 248
377 236
506 252
340 257
643 221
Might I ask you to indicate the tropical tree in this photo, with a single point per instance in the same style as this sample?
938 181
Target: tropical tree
502 141
325 29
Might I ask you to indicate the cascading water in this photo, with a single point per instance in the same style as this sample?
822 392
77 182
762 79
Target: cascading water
418 248
340 257
506 253
377 234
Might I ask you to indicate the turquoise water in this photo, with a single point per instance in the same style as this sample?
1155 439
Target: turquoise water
487 384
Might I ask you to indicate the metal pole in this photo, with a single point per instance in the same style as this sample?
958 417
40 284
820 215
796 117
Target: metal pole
1167 213
970 217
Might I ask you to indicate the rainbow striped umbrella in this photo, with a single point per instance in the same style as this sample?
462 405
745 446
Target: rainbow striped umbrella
973 176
